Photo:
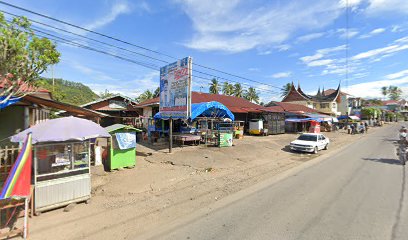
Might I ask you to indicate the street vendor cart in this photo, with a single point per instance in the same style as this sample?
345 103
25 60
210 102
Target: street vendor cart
61 160
122 151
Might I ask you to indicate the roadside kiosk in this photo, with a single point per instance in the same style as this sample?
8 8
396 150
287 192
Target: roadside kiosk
122 151
61 164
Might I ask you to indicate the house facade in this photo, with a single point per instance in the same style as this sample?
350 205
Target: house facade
117 109
333 102
321 102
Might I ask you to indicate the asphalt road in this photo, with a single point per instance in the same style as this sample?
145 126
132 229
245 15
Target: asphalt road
358 193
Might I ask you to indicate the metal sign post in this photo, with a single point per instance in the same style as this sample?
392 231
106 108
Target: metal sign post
175 92
170 135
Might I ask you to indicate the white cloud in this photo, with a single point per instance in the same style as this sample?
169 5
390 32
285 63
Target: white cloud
322 62
238 25
373 33
316 59
372 89
132 88
347 33
403 73
353 4
376 7
117 9
381 52
90 72
309 37
282 75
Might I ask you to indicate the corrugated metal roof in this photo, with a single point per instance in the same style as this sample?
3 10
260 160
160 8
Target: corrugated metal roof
234 104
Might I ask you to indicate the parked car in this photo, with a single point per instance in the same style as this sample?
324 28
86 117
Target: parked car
310 142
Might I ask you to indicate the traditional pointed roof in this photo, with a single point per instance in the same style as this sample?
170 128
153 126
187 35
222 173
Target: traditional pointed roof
298 95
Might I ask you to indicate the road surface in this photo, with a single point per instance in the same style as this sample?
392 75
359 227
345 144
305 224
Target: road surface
358 193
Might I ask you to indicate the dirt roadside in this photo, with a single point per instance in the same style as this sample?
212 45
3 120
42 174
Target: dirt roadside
164 187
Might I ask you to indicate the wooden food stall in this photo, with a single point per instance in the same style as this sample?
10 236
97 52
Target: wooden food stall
61 160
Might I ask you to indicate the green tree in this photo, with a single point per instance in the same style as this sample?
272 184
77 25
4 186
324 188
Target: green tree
394 92
146 95
105 94
286 89
214 86
384 91
67 91
227 89
252 95
23 55
156 92
238 90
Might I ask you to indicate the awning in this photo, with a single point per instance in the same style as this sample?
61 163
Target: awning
206 109
10 101
349 117
354 118
301 120
322 117
61 130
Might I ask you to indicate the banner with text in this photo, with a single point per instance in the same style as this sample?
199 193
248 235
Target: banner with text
175 89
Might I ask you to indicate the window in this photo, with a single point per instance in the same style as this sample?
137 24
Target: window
61 158
324 105
80 155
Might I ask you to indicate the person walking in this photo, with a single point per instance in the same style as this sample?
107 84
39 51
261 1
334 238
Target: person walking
366 127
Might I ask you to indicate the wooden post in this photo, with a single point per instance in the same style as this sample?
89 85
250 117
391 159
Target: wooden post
25 228
170 134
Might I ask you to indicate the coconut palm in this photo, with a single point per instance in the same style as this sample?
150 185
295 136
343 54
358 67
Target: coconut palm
214 86
238 90
384 91
252 95
156 92
146 95
394 92
227 89
286 89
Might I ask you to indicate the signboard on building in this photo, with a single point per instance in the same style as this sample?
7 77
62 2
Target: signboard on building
225 139
175 89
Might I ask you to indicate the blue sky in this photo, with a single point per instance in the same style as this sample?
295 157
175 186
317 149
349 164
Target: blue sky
272 42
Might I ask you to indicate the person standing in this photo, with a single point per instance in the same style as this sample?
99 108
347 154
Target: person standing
366 127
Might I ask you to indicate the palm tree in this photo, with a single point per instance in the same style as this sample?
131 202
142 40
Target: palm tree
384 91
156 92
214 86
146 95
227 89
394 92
238 90
286 89
252 95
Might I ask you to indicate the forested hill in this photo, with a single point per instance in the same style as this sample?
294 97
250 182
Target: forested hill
67 91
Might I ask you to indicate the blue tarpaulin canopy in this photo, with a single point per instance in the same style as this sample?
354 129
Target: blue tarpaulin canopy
10 101
206 109
298 120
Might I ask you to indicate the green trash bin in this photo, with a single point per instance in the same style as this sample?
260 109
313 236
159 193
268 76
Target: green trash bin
122 148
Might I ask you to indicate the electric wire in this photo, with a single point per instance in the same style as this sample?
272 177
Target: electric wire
131 44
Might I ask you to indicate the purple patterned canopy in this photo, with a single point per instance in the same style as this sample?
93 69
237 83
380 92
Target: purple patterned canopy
62 129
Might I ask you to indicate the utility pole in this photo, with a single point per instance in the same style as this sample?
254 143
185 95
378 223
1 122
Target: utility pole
53 80
170 134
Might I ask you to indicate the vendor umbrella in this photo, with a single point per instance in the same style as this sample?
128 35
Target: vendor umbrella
62 129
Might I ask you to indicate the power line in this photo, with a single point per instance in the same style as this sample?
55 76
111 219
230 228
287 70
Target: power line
131 44
150 66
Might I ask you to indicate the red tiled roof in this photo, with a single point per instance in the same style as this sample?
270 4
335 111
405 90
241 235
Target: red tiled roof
289 107
330 91
390 102
234 104
23 86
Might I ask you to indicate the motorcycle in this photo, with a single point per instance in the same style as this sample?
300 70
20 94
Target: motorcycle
403 154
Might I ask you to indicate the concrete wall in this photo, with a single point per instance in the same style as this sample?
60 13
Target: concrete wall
11 121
